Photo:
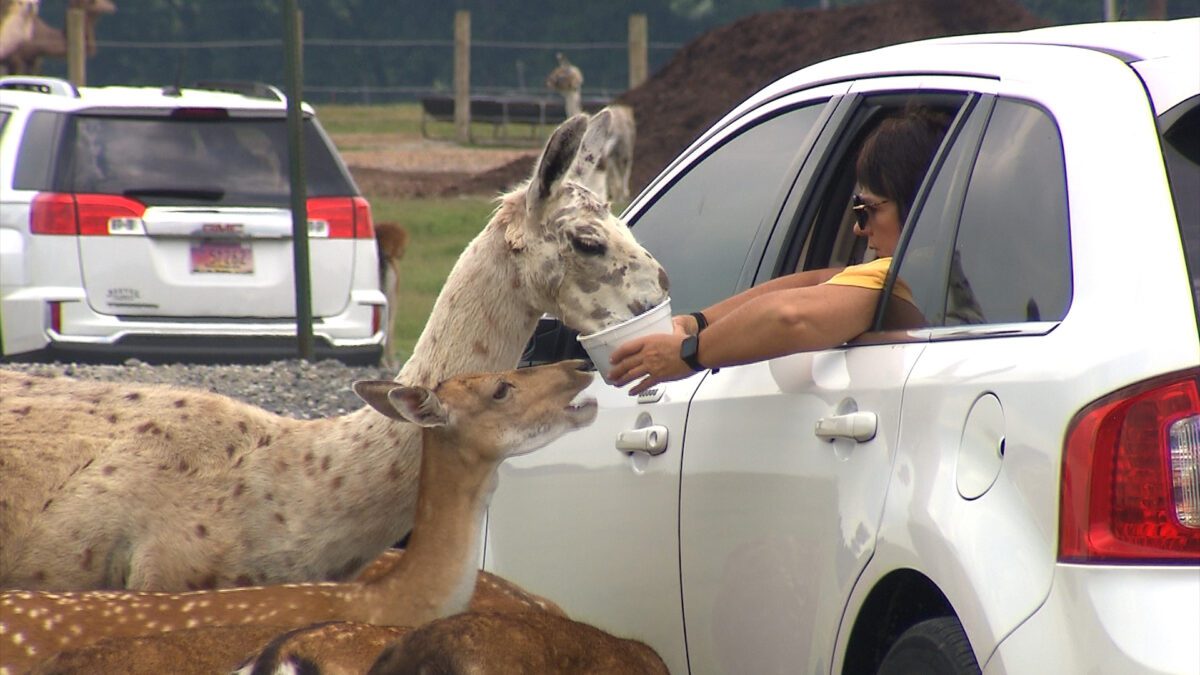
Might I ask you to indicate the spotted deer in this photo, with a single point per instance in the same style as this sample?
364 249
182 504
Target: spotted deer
469 425
159 488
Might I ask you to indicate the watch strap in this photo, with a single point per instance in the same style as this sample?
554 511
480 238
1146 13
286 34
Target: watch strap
701 321
689 352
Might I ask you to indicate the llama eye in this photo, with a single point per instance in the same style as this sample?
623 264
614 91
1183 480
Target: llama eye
588 246
501 390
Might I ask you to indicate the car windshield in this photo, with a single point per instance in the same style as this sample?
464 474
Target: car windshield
222 162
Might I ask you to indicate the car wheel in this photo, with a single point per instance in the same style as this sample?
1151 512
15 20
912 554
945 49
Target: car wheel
934 647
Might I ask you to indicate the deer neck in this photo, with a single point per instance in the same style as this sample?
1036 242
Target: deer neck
436 576
483 316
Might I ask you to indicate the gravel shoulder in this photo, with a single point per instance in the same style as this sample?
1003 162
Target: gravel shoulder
294 388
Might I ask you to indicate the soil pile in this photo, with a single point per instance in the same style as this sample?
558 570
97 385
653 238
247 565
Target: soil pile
715 72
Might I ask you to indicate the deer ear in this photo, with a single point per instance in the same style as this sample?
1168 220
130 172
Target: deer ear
419 405
375 394
588 167
556 159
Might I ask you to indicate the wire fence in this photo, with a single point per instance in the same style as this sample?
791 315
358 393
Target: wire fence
520 52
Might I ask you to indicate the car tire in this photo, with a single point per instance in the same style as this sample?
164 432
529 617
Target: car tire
933 647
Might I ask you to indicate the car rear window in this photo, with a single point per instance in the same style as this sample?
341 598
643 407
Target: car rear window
1181 150
224 162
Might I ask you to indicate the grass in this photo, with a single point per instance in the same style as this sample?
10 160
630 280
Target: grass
403 121
439 229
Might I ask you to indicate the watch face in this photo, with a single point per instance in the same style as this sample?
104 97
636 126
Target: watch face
687 352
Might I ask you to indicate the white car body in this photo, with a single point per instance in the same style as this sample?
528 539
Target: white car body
195 260
754 545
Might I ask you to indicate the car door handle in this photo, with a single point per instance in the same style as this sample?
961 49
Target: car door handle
651 440
859 426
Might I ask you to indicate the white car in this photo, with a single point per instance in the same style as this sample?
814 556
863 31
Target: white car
1012 486
156 222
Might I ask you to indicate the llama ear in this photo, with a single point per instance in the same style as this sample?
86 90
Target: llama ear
419 405
555 161
588 167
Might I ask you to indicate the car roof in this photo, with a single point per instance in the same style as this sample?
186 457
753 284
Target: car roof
56 94
1165 55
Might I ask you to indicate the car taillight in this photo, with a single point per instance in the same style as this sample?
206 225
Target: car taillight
340 217
1131 476
85 214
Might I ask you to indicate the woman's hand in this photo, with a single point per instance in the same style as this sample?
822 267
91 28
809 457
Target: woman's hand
652 357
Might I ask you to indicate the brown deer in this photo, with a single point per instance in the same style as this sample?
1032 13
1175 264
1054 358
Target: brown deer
391 241
470 424
159 488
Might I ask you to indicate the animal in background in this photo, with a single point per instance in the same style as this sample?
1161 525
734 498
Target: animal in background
47 40
391 240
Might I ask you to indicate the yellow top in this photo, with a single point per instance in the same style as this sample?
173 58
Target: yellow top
872 275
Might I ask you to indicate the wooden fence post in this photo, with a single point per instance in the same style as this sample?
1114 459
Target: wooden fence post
638 49
76 47
462 75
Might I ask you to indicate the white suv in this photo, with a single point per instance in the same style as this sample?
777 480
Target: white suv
1013 485
155 222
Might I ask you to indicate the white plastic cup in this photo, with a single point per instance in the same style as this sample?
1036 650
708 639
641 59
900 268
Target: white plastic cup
600 345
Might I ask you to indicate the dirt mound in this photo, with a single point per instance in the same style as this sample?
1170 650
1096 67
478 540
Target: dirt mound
717 70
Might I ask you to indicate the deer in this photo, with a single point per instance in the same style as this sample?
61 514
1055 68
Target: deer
391 241
469 425
149 487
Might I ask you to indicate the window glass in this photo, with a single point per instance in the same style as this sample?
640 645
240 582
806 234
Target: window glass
926 261
165 160
1181 149
4 115
1011 260
702 227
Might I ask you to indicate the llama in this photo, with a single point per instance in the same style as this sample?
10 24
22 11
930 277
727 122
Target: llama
391 240
469 424
50 41
616 154
17 18
567 80
159 488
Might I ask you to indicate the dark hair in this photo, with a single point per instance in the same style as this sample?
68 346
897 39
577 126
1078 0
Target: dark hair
895 155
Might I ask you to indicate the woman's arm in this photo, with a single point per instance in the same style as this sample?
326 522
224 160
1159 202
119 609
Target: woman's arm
716 312
764 325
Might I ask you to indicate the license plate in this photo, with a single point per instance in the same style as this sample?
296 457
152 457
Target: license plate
222 258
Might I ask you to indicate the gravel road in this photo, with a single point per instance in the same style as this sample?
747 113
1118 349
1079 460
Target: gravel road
295 388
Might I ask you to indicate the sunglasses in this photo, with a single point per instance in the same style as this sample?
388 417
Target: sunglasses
863 209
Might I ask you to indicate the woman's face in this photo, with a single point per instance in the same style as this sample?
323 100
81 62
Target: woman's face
882 228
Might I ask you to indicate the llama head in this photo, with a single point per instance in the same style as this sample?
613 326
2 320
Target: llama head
492 416
581 261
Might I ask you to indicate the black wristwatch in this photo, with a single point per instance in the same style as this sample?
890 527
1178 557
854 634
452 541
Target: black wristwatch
688 350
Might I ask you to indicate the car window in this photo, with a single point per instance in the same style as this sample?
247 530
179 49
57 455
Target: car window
226 161
701 228
1181 150
1011 260
1008 260
4 115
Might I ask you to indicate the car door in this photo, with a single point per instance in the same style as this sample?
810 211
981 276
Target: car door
591 521
787 462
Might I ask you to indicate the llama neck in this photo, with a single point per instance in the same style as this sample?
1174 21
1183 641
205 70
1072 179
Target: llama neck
573 102
483 317
436 576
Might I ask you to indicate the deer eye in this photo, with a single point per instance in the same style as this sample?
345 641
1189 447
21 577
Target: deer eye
588 246
502 390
